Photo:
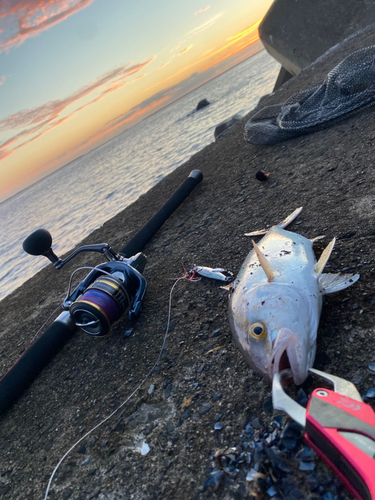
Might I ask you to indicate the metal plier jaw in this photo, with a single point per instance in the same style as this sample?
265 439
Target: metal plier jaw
216 274
339 427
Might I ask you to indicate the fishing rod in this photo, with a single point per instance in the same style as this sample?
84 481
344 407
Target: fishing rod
105 294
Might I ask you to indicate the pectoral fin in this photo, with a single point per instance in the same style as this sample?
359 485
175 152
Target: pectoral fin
319 266
330 283
268 268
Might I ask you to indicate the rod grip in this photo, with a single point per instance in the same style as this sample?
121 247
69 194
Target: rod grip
140 240
31 363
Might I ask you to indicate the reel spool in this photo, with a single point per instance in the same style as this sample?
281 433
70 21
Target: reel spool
102 303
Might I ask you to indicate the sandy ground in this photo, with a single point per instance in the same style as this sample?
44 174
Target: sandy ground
331 174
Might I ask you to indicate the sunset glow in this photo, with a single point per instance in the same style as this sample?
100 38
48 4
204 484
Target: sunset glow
76 73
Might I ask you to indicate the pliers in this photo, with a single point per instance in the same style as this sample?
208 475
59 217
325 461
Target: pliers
339 426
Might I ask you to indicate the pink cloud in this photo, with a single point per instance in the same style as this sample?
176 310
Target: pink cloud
22 19
2 79
47 116
202 10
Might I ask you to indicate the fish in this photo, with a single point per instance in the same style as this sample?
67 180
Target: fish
275 301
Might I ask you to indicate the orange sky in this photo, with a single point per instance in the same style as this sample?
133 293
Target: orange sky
82 94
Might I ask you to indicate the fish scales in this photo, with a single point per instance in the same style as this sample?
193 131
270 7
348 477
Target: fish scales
275 305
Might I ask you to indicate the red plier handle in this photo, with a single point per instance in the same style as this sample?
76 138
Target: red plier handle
339 426
342 432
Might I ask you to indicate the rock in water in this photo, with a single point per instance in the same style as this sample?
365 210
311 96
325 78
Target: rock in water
202 104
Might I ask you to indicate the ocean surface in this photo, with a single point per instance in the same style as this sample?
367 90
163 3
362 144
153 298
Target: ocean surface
80 197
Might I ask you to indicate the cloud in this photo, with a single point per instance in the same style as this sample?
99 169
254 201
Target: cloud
165 64
245 32
206 25
185 50
2 79
22 19
43 118
202 10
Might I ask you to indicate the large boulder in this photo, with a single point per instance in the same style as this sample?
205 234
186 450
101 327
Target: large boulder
297 32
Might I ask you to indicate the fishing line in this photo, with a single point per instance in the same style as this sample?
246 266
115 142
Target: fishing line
127 399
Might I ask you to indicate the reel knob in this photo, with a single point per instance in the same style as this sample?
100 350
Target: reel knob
39 243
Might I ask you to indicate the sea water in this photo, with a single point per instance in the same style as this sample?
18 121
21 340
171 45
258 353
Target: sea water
81 196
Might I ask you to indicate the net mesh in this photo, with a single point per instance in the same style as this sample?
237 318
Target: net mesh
348 88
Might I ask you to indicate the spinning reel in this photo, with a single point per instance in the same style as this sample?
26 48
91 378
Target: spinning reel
106 293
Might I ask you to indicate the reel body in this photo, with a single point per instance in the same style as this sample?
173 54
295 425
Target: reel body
106 293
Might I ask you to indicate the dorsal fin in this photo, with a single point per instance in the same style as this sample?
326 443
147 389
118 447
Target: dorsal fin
290 218
319 266
271 272
282 224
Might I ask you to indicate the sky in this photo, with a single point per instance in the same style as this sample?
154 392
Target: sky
76 73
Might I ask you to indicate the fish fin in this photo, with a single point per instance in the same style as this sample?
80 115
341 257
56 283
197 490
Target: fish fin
261 232
282 224
330 283
268 268
290 218
317 238
319 266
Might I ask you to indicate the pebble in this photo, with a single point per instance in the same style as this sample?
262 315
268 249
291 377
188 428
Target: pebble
168 390
170 426
256 424
215 478
206 407
271 491
252 475
371 367
145 448
216 396
82 449
151 389
369 394
218 426
201 368
128 332
187 413
307 466
86 460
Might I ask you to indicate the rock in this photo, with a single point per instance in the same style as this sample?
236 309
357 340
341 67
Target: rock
225 125
206 407
202 104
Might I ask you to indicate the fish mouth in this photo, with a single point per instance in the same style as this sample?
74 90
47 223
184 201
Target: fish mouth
287 355
280 362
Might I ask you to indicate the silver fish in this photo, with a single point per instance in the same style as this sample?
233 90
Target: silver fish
276 301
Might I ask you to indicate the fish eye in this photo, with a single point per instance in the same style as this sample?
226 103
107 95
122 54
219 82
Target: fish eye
258 330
